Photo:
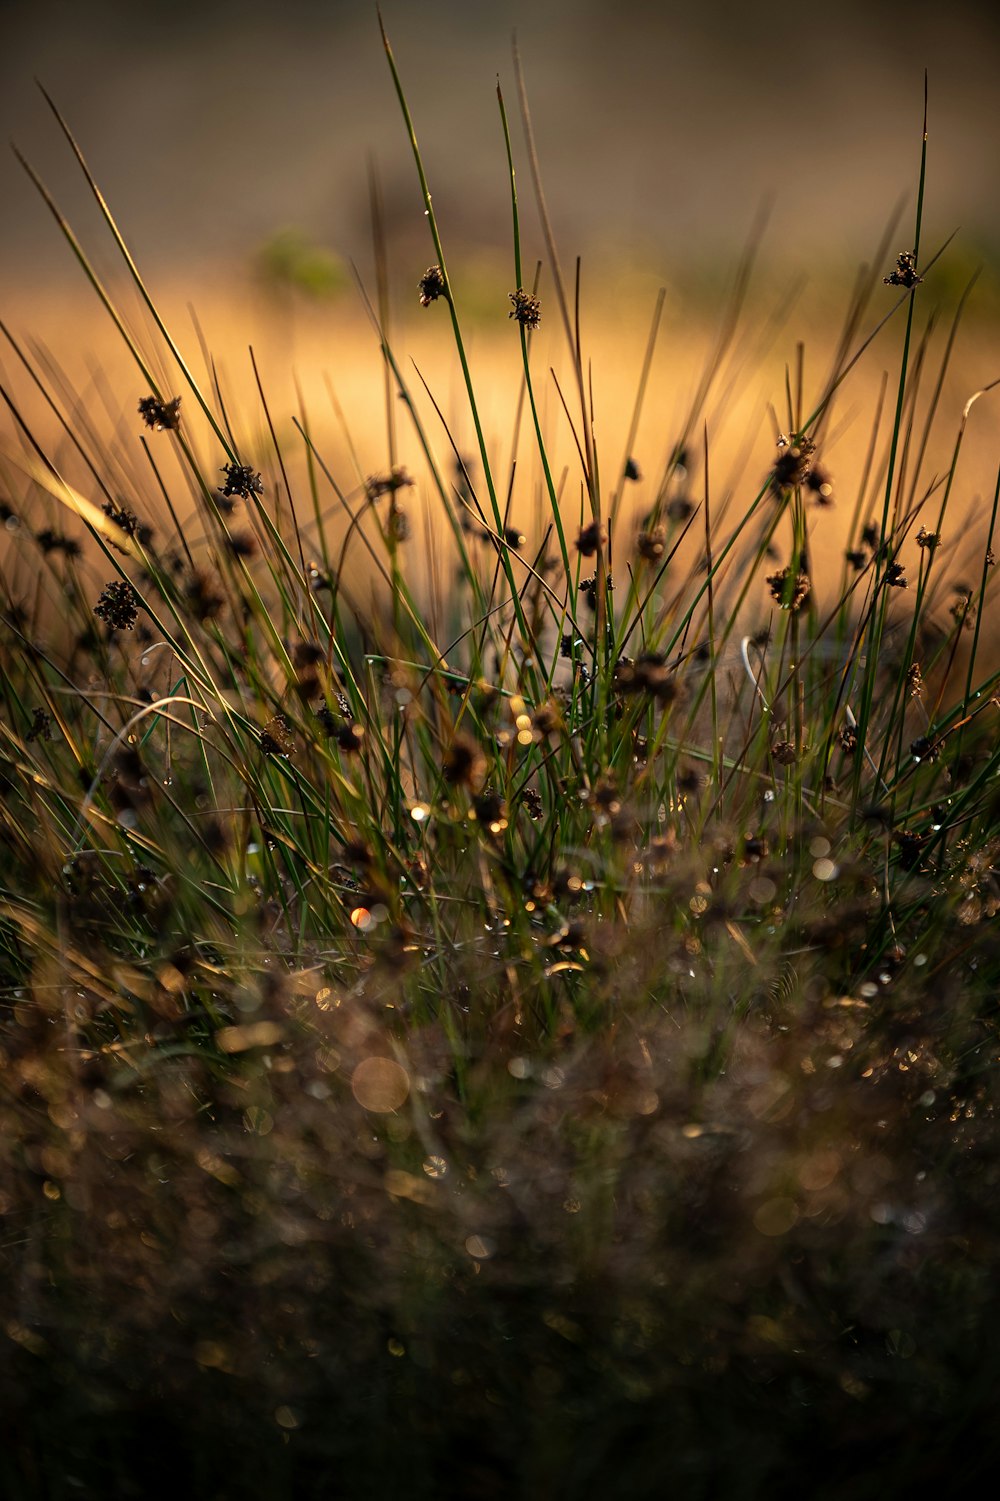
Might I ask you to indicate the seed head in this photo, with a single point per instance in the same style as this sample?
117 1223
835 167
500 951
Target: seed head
276 737
490 810
51 541
431 286
350 737
118 606
648 674
591 538
241 481
789 590
531 799
526 309
588 588
927 539
632 470
160 415
128 522
545 721
652 544
41 726
399 525
377 485
463 761
680 508
819 483
203 594
793 464
848 738
905 274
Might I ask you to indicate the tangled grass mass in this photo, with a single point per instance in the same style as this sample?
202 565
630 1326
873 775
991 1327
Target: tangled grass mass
495 1006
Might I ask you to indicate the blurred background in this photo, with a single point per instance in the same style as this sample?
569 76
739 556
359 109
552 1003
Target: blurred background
662 126
235 141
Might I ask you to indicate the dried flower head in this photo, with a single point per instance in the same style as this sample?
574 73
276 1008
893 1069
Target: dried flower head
276 737
793 464
431 286
789 589
398 525
784 752
648 674
632 470
910 845
680 508
358 853
118 606
591 538
128 522
526 309
689 780
204 595
927 539
377 485
490 810
895 576
241 544
588 588
241 481
914 680
52 541
546 720
963 611
925 749
905 274
819 483
856 557
464 762
160 415
652 544
848 738
531 800
350 736
41 726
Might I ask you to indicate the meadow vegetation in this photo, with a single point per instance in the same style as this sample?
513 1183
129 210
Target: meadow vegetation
498 959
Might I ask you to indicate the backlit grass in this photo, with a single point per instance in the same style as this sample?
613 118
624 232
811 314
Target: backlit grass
498 950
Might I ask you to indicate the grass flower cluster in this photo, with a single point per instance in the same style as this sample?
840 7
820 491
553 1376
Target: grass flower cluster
525 1025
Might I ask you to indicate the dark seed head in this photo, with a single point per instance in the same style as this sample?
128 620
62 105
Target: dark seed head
591 538
905 274
241 481
160 415
118 606
525 308
431 286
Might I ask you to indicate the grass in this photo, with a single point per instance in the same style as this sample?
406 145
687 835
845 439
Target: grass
490 1012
